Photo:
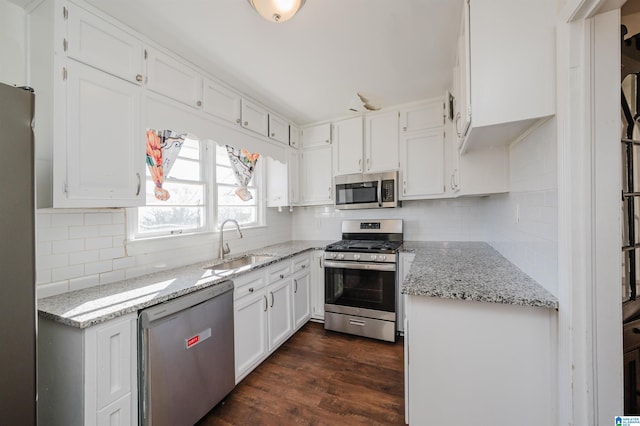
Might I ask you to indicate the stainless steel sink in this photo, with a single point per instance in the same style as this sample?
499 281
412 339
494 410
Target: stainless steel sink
244 262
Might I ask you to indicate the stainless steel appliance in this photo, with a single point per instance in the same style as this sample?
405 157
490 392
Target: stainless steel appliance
17 258
186 356
367 191
361 278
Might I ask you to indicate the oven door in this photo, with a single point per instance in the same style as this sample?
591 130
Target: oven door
367 289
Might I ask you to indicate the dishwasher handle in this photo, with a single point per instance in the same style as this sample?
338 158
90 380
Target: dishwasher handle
150 315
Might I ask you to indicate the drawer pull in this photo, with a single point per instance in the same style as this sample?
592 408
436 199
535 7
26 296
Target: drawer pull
356 322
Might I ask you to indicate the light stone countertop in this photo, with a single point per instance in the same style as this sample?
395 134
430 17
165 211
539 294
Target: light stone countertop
471 271
87 307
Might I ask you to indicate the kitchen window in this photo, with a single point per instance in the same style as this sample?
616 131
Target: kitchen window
202 188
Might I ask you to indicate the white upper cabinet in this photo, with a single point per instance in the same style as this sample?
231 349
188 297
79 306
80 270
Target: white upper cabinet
422 164
170 77
316 176
508 69
255 118
293 168
104 164
381 142
294 136
93 41
278 129
422 117
221 102
317 135
347 150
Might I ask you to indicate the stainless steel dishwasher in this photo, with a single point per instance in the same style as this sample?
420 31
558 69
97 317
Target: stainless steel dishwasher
186 356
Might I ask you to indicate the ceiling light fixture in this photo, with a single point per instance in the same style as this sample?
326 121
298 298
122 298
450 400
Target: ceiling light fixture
277 10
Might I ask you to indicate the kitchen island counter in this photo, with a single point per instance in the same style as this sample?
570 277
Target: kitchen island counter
94 305
470 271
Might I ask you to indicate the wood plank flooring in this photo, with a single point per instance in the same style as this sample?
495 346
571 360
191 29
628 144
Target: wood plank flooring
320 377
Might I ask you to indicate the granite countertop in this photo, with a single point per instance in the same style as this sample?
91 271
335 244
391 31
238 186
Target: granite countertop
87 307
471 271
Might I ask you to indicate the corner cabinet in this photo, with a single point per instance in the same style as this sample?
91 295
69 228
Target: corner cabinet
89 140
88 376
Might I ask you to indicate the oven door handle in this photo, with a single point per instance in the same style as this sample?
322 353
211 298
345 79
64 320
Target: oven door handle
360 265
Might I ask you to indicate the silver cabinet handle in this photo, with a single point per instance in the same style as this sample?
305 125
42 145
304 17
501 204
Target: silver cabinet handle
139 78
199 103
330 193
246 123
304 266
295 286
265 303
273 135
139 183
356 322
250 289
458 118
272 298
238 120
281 276
404 187
379 190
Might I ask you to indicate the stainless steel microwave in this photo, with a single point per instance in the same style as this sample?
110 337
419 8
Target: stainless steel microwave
367 191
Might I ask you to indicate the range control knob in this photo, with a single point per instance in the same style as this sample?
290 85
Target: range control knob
382 257
333 255
373 257
356 257
340 256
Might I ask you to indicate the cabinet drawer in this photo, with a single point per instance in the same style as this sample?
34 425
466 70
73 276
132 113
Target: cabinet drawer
300 264
279 271
247 285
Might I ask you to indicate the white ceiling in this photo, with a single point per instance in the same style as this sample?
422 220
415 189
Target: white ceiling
309 68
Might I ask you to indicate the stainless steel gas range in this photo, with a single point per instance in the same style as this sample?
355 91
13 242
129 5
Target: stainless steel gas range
361 278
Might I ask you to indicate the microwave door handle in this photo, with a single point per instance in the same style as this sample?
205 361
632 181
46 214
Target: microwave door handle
380 192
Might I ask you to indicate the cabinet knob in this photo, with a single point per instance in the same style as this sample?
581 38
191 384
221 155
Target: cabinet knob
250 289
281 276
139 78
246 123
404 129
238 120
199 103
273 135
304 266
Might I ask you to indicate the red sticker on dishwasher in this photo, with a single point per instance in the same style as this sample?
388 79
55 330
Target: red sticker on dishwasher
198 338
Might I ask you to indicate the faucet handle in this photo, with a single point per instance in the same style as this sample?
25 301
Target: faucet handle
226 248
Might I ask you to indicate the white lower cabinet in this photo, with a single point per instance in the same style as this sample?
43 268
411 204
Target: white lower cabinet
269 305
88 376
406 259
317 285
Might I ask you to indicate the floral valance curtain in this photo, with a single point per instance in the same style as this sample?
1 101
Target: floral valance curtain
163 147
243 164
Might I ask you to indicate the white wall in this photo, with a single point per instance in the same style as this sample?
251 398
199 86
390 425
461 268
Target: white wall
530 242
13 45
83 248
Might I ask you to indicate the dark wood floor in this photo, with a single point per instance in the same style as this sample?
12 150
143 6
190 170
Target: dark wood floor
320 377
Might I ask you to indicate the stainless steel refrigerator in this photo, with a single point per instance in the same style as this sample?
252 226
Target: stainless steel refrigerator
18 393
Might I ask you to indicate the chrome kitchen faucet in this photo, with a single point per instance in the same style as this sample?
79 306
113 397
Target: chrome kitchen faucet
224 248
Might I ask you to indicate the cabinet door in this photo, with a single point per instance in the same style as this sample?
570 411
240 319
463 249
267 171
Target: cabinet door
347 146
463 115
406 259
105 144
221 102
277 183
293 167
317 285
316 175
96 42
250 332
294 136
301 299
422 117
254 117
114 362
280 319
318 135
381 142
278 129
422 163
170 77
484 171
117 414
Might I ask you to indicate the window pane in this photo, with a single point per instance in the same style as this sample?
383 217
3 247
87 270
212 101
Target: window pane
225 175
185 169
164 219
228 197
179 193
222 156
243 215
190 149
